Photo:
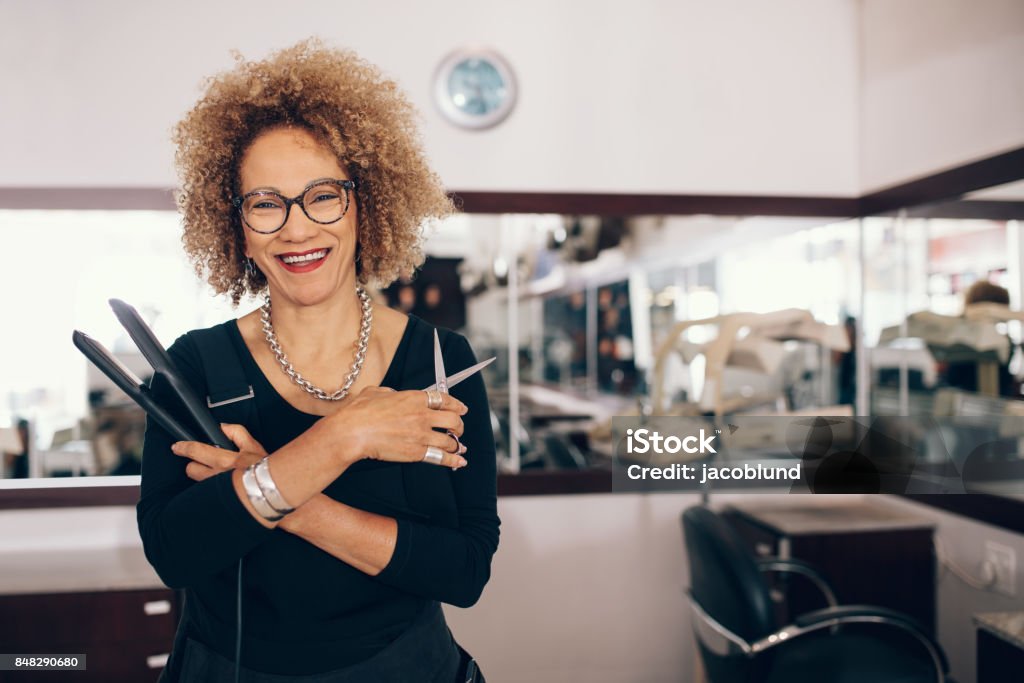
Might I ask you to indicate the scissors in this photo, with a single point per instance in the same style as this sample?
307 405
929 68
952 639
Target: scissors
442 383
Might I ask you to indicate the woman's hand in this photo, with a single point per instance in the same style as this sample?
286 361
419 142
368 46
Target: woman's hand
384 424
209 460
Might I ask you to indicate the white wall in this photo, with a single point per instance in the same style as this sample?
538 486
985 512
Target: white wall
589 587
651 96
799 97
942 85
584 588
964 541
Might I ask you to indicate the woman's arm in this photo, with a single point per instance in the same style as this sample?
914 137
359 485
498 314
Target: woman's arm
364 540
361 539
377 423
189 530
192 530
451 565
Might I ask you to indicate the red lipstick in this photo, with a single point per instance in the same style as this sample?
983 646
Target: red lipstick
303 265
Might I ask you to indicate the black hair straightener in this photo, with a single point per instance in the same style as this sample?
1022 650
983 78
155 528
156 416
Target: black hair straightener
162 365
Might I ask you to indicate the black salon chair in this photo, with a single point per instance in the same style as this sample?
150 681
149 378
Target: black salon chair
740 640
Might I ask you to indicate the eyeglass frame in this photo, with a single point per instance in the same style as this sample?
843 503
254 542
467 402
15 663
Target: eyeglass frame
346 184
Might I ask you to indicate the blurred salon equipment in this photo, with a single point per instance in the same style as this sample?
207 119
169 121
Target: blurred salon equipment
563 454
973 350
750 363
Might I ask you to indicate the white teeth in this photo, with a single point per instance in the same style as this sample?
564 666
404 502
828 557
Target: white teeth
314 256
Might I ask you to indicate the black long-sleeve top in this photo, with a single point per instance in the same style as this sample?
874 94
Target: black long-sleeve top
304 610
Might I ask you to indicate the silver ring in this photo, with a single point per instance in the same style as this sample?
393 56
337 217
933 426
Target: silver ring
434 455
458 444
434 399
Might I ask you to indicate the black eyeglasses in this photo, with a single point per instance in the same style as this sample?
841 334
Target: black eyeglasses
324 201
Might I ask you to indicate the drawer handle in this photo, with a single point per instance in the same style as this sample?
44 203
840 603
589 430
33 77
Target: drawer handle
157 661
157 607
763 549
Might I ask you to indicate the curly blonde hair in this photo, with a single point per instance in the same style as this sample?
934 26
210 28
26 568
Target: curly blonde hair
350 108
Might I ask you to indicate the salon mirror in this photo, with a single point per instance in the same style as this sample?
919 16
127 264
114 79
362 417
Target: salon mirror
588 298
593 299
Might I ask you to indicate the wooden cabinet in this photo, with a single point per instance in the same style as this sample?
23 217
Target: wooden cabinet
869 554
125 635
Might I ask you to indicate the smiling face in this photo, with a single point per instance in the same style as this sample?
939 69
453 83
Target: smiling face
305 262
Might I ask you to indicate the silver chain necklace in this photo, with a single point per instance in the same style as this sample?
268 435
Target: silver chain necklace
357 364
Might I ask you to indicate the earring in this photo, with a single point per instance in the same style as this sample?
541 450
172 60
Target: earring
250 267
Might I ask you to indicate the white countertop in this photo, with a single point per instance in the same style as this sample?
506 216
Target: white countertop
76 571
63 550
1006 625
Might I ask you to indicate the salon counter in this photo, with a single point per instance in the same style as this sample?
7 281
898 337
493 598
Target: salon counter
65 539
76 570
1006 625
75 580
1000 645
66 550
527 483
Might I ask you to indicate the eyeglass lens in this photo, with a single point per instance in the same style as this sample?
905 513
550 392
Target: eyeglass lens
268 211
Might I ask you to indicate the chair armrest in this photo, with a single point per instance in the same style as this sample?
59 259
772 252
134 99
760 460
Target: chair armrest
704 625
859 611
805 569
857 614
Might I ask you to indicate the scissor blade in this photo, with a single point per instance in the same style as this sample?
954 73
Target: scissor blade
464 374
440 382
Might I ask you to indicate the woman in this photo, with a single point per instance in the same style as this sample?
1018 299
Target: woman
302 178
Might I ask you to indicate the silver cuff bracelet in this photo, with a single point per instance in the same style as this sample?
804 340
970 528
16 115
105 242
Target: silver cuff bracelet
256 497
269 488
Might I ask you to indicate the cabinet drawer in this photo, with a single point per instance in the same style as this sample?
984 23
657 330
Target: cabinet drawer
37 623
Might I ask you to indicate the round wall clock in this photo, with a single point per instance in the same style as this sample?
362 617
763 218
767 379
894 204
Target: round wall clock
475 88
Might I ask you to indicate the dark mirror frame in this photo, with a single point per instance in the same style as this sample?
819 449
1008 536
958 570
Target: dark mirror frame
936 196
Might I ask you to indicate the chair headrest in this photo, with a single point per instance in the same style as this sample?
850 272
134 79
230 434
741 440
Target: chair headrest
724 578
